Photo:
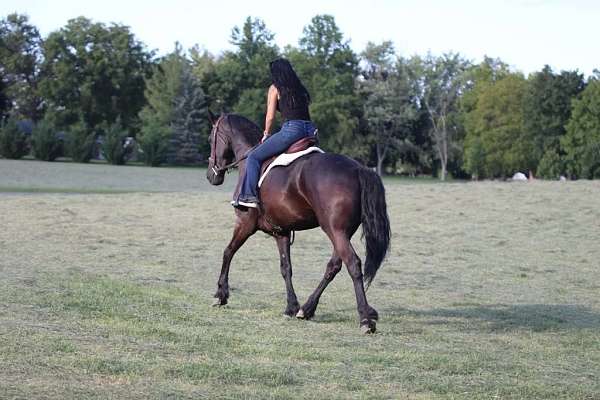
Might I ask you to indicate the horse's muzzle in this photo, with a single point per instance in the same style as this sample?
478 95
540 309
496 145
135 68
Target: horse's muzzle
215 177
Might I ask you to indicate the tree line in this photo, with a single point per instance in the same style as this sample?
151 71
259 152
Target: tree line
427 114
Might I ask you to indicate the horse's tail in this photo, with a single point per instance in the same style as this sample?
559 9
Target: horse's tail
375 221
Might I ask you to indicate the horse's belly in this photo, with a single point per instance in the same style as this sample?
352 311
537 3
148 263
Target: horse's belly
284 206
289 213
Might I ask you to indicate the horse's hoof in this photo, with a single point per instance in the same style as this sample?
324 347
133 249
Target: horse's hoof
218 302
300 314
367 327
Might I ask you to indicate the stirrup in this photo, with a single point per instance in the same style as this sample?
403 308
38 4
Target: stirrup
247 204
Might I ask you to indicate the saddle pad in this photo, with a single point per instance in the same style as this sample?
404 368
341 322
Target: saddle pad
286 159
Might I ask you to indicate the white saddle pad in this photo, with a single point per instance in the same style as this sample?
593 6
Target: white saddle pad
286 159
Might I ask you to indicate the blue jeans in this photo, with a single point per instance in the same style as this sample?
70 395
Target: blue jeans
291 131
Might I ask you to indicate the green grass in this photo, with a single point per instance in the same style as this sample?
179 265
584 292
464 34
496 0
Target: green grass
21 189
490 291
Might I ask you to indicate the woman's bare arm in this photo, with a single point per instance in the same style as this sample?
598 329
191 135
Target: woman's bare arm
271 108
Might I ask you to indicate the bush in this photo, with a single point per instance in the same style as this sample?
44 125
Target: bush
114 149
47 145
13 141
590 163
80 142
154 143
551 165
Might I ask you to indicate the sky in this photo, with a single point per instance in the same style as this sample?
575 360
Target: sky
526 34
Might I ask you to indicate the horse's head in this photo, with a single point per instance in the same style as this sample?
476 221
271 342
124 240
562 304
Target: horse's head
221 152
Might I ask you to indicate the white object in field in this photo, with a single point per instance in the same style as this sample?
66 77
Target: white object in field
286 159
519 176
562 178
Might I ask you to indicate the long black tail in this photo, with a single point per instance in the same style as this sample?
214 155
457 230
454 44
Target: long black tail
375 221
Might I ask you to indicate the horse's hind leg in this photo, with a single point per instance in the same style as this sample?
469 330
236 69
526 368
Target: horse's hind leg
333 267
283 244
367 314
244 228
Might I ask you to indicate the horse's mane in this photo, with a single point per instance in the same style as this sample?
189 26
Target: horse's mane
243 126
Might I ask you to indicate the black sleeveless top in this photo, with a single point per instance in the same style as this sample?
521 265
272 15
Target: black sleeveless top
299 110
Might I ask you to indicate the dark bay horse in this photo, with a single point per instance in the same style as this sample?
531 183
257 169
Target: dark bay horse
320 189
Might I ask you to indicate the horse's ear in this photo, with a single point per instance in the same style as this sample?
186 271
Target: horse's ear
212 117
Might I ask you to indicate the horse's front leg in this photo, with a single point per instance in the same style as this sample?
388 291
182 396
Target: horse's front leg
283 244
244 228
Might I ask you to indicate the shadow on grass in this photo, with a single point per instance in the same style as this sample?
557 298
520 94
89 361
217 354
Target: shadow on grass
503 317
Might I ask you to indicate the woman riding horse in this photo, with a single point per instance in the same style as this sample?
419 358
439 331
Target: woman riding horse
288 95
319 189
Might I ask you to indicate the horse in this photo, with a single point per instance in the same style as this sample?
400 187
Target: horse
324 190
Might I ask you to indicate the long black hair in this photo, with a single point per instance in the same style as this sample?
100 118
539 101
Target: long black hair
290 88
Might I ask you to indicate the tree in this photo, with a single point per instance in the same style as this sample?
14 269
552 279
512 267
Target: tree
80 141
46 143
95 72
189 123
13 142
328 68
478 79
20 56
581 142
176 108
496 130
114 147
4 100
157 116
546 111
440 81
389 107
323 40
153 142
238 80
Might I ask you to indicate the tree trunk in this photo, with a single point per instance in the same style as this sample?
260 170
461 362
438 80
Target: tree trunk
379 166
380 158
443 146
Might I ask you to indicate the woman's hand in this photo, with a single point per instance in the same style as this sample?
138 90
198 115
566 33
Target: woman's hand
265 136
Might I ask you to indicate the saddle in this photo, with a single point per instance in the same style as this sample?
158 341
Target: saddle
295 147
303 144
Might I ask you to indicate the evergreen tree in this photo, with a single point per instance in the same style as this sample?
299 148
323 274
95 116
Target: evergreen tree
114 147
13 142
80 141
157 116
189 121
546 111
175 113
47 145
581 142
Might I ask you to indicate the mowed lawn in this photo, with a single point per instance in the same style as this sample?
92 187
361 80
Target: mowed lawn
491 291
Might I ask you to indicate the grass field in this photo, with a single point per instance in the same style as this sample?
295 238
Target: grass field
490 291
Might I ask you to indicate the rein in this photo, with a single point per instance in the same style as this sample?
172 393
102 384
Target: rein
213 157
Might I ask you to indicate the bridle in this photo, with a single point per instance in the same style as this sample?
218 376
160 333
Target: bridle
213 154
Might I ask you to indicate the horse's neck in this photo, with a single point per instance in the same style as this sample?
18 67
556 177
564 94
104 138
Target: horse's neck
241 148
